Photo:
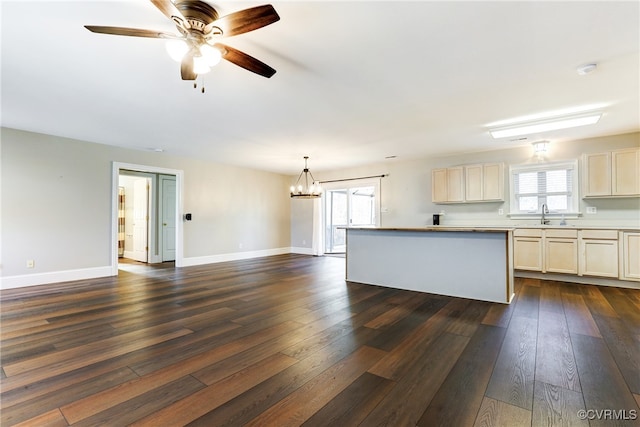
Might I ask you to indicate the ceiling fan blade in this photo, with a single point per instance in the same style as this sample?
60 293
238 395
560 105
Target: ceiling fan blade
245 20
135 32
186 67
245 61
171 11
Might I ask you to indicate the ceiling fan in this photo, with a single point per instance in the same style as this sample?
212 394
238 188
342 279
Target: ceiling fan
200 26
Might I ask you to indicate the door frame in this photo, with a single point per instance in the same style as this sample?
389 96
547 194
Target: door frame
347 184
115 173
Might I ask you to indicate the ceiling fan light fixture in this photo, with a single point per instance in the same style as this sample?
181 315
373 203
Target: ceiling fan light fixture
176 49
200 65
211 55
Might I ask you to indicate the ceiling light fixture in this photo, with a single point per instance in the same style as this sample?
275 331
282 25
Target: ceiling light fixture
176 49
540 148
205 56
302 189
550 124
200 65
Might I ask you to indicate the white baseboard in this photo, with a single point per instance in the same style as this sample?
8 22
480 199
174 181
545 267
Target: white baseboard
585 280
301 251
9 282
24 280
235 256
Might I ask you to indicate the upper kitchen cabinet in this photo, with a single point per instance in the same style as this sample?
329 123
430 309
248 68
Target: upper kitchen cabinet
468 184
484 183
447 185
625 172
611 174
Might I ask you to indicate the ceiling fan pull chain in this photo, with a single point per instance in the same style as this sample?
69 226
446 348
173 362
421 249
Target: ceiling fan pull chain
202 78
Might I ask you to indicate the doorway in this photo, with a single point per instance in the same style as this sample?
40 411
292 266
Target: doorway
356 204
134 220
147 202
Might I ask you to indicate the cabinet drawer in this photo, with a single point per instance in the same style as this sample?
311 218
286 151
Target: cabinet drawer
527 232
600 234
562 234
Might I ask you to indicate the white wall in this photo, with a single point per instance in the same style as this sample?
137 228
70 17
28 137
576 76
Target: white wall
406 192
56 206
301 231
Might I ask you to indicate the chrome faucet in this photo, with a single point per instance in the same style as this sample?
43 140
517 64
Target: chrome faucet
545 210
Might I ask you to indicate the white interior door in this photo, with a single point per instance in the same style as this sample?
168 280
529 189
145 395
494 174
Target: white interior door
168 217
141 220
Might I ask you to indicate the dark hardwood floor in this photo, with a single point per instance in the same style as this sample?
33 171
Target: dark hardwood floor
284 340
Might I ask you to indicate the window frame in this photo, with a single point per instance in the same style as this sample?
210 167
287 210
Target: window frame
573 205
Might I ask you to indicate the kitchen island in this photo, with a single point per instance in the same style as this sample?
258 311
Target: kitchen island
466 262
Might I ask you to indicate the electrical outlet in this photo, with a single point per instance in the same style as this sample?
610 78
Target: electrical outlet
304 242
31 263
592 210
240 246
500 211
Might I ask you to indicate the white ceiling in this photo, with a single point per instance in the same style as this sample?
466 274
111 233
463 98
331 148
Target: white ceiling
356 81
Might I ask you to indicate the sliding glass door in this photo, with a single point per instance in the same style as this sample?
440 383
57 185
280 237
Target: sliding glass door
336 217
353 205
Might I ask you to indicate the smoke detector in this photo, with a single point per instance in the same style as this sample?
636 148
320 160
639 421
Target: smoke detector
585 69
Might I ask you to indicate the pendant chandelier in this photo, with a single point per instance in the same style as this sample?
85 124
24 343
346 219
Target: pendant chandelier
305 188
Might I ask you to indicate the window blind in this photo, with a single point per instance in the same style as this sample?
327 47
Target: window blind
549 184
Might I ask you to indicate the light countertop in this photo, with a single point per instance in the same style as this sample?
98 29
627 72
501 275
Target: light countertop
495 228
491 229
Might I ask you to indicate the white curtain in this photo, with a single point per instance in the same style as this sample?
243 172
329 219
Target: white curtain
317 238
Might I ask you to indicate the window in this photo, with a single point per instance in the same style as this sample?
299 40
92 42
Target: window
550 184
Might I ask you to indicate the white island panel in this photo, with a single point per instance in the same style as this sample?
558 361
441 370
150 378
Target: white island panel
469 264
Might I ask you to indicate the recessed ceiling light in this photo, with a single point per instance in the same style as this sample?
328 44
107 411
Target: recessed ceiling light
155 149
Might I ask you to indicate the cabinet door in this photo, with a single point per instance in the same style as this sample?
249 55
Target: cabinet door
473 178
630 256
599 257
561 255
527 253
439 188
625 172
455 184
596 175
493 182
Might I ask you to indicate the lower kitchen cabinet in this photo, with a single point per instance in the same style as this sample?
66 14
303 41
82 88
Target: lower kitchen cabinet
599 253
527 249
583 252
629 256
561 251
